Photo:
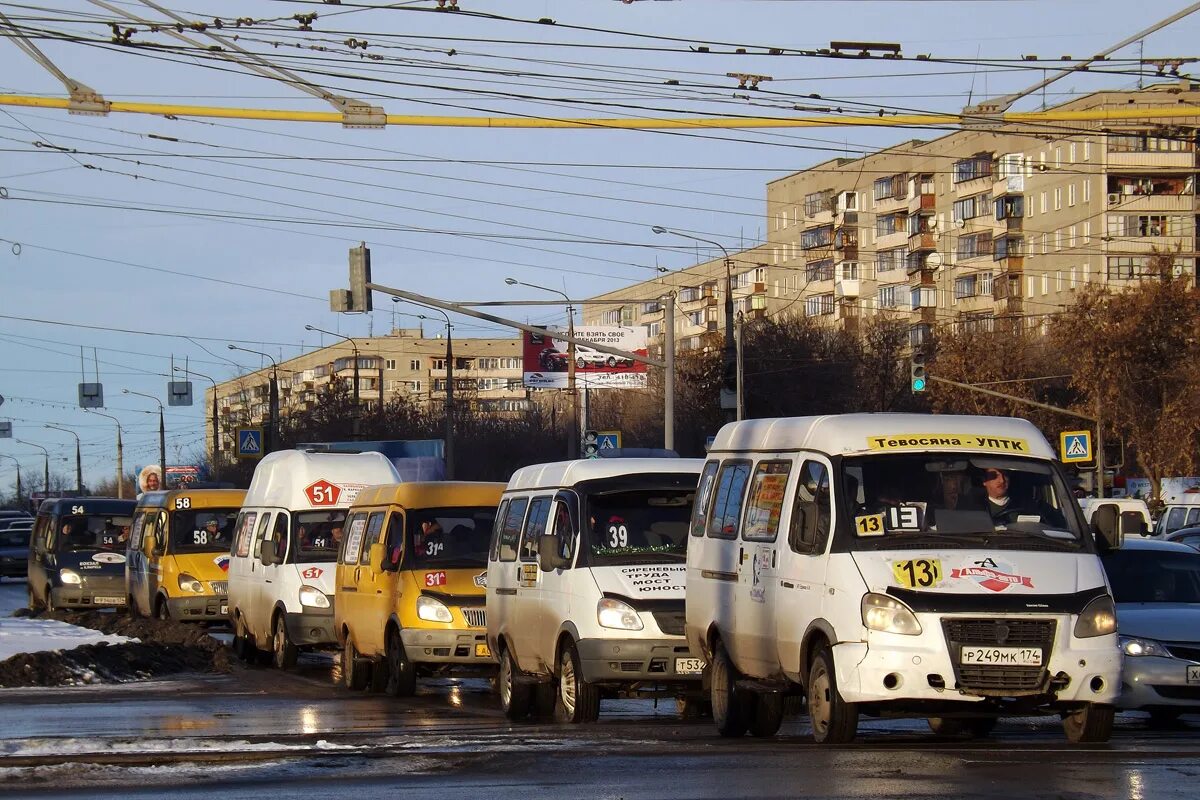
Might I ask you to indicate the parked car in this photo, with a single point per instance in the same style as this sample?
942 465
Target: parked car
14 552
1157 588
1188 536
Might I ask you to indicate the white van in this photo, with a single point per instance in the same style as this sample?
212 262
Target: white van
585 584
922 565
1134 513
1182 512
285 548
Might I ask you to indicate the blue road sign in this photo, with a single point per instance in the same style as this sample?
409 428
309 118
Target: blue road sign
608 440
249 442
1075 446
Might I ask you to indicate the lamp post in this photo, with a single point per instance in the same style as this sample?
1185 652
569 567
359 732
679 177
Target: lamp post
162 434
216 434
120 455
18 463
354 347
730 370
46 453
272 399
449 454
78 460
574 437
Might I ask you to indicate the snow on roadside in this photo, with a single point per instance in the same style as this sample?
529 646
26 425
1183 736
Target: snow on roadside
68 746
24 635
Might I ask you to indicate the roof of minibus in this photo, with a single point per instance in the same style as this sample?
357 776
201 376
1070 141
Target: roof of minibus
91 505
292 479
569 473
200 498
836 434
431 494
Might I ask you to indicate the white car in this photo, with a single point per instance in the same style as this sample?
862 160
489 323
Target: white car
586 356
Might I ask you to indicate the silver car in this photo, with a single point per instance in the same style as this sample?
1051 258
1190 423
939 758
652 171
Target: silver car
1157 588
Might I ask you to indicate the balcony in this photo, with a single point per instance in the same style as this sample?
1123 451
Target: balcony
1145 203
923 204
1185 160
924 241
850 288
890 240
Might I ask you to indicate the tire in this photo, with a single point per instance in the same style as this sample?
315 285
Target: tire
34 605
834 721
729 709
978 728
354 673
241 641
50 609
1164 717
1092 723
283 652
515 698
580 363
544 699
578 701
401 673
611 362
768 714
163 611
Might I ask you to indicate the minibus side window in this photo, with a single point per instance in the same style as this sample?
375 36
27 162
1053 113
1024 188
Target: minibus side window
497 526
703 498
39 535
135 535
812 511
374 529
765 506
395 541
245 528
727 504
535 526
261 534
564 529
356 526
511 532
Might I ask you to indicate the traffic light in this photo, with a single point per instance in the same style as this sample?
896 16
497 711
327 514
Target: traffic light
591 444
729 376
360 276
917 371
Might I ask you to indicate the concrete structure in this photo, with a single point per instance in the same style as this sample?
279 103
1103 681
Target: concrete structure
971 229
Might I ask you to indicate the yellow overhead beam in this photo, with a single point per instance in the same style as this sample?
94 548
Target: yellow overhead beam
600 123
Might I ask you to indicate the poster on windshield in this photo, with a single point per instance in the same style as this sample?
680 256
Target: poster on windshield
547 359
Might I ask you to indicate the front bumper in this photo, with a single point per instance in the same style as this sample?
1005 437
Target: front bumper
461 646
14 567
94 592
626 660
312 627
211 608
1158 682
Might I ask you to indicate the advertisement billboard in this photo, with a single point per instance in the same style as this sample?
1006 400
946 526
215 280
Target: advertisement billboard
546 362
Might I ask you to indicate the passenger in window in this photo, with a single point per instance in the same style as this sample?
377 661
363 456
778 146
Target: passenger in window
429 540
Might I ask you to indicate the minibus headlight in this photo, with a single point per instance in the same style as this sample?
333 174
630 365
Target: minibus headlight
189 584
612 613
432 610
1098 618
1133 646
888 615
69 576
314 597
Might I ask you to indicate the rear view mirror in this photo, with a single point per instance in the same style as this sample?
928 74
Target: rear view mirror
267 553
1106 526
1133 524
548 555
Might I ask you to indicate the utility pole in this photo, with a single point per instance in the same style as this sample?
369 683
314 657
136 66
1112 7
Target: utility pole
120 455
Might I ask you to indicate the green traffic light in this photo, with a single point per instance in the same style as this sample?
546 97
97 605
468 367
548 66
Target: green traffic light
918 384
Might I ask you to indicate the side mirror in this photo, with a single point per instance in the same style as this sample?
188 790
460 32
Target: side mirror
267 553
375 556
1106 527
1133 524
548 556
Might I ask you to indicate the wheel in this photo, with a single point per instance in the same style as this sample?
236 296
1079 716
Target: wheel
34 605
578 700
283 652
401 673
728 706
768 714
978 728
834 720
241 642
1164 717
163 611
1091 723
515 697
50 609
795 705
544 700
354 674
611 361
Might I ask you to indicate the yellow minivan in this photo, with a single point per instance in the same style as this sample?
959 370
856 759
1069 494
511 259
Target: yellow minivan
410 583
178 558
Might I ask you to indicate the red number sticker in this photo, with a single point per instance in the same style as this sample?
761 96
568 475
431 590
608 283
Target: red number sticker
323 493
435 579
312 573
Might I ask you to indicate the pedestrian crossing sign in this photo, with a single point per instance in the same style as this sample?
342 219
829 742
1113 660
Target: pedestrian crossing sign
249 442
1075 446
608 440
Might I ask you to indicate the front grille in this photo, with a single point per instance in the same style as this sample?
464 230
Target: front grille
1000 632
219 587
989 677
1187 652
475 617
1178 692
669 622
631 666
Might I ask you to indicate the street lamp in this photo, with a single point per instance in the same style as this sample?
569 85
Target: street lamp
272 399
162 434
120 455
573 438
354 347
216 435
18 463
46 453
78 460
449 412
730 371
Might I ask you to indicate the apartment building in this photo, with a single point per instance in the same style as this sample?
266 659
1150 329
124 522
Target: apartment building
969 229
487 375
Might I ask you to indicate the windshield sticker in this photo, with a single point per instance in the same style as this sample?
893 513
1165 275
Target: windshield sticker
908 517
652 579
760 564
481 580
917 573
109 558
222 561
869 525
766 505
992 575
312 573
435 578
942 441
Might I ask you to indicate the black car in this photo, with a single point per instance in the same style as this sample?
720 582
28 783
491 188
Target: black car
14 552
1188 536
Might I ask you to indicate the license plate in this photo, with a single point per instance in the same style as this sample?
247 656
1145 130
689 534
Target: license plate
1193 674
1002 656
108 601
482 651
689 666
224 611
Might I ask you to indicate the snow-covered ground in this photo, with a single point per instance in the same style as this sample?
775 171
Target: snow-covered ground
21 635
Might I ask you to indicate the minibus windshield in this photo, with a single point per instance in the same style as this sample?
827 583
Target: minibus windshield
317 535
204 530
638 526
90 532
956 499
448 537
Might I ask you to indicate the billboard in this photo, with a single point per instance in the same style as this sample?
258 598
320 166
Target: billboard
546 363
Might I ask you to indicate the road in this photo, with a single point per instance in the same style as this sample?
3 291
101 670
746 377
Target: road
295 735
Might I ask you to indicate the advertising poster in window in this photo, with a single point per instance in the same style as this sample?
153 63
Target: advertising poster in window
546 359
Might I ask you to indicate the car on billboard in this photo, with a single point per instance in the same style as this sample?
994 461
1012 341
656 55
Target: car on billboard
587 357
552 360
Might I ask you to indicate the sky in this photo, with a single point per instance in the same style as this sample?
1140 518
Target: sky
130 244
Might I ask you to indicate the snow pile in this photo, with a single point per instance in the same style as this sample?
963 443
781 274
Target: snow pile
26 635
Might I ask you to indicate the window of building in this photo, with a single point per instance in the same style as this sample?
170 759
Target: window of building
816 202
1087 149
1043 203
977 166
971 207
1010 207
818 305
1087 191
893 187
1058 199
1087 231
1136 225
1071 153
887 260
438 363
1146 142
977 285
817 237
974 245
1007 247
389 363
1058 157
819 270
1123 268
889 296
1071 194
1011 165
